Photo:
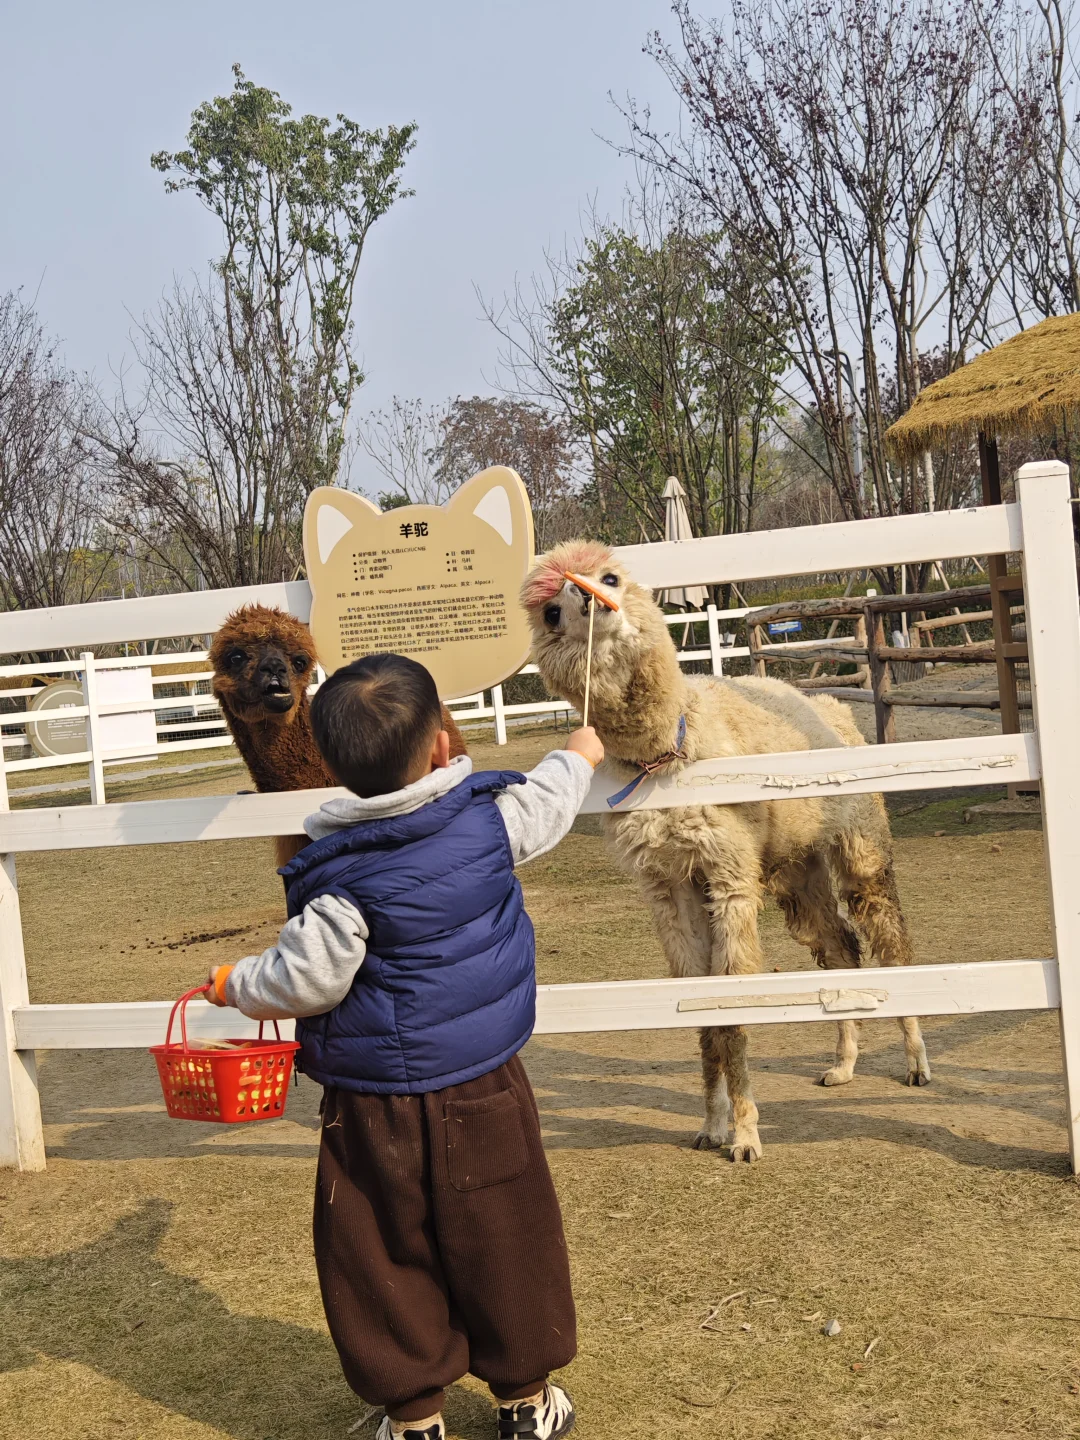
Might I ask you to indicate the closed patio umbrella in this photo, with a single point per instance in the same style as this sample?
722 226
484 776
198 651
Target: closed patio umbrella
677 527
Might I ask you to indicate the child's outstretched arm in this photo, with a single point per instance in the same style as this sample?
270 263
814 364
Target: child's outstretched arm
308 971
539 813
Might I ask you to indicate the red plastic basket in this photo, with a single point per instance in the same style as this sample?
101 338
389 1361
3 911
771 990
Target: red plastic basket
231 1082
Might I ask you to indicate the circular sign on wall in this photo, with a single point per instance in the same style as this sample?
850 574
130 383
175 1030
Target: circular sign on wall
60 734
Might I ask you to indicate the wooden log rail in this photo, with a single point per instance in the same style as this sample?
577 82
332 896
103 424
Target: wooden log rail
955 699
933 699
976 654
954 654
824 651
854 605
843 683
945 622
969 617
928 600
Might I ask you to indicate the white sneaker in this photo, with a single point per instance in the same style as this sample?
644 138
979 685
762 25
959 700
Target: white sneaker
523 1420
435 1431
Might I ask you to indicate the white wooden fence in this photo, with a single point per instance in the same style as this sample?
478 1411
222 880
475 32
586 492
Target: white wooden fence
1038 527
193 721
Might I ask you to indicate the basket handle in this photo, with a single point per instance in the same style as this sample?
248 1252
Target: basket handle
181 1005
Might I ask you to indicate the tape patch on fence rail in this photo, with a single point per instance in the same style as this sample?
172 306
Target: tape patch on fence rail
846 777
829 1000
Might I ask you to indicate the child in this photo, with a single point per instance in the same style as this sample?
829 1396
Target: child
408 961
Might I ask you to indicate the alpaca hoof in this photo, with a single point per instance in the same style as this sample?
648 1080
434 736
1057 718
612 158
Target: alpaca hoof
703 1140
746 1149
918 1077
837 1076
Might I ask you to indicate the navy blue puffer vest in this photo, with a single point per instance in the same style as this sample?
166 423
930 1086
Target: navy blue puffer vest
447 990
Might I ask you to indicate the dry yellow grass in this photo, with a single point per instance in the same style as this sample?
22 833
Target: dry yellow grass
157 1282
1016 387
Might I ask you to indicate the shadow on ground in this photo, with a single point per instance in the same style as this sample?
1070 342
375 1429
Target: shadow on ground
114 1306
597 1092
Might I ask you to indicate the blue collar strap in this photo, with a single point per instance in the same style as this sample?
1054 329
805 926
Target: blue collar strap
647 767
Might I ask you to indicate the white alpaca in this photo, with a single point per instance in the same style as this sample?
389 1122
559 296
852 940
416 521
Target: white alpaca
705 870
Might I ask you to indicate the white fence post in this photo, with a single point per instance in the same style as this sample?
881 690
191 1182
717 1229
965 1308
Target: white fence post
22 1144
500 714
1053 637
93 729
714 639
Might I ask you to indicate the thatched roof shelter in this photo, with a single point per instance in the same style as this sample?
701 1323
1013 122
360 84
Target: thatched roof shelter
1021 385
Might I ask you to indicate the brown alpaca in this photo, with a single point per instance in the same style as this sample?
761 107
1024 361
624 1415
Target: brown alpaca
705 870
263 661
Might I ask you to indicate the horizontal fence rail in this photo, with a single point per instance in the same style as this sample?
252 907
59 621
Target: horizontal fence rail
801 774
1038 527
813 549
798 995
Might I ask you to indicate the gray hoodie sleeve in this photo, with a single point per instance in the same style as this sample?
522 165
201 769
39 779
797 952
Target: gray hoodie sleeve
539 813
309 970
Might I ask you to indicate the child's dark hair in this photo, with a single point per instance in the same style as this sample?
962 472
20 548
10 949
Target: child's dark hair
372 720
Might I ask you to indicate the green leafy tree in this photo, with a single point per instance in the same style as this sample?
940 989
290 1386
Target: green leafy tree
659 344
252 374
672 372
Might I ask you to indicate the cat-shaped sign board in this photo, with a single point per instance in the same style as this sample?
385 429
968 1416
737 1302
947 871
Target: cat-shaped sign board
438 583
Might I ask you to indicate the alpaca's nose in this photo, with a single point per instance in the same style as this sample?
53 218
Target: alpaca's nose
272 670
578 596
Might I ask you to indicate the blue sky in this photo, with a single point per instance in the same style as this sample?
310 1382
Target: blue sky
509 98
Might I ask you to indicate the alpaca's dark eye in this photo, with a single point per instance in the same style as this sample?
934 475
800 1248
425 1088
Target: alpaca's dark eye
235 659
299 663
552 615
609 580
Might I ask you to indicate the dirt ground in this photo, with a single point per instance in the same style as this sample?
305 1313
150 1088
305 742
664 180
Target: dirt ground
157 1280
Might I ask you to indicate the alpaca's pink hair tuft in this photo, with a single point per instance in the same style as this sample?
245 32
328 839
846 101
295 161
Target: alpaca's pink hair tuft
549 574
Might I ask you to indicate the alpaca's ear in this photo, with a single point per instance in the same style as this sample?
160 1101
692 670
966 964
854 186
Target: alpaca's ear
438 583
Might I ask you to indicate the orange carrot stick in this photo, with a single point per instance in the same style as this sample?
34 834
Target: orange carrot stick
592 590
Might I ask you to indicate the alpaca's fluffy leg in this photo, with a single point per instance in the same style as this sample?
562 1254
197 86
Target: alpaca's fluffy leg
918 1065
688 934
808 900
733 916
868 885
729 1099
682 925
847 1052
716 1126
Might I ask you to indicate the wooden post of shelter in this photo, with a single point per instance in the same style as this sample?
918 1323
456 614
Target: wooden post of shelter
998 568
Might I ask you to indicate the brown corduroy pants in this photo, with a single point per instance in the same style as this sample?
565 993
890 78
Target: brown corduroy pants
439 1242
